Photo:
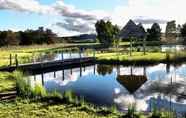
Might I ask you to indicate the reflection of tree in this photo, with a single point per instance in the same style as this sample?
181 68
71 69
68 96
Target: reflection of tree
167 89
104 69
47 56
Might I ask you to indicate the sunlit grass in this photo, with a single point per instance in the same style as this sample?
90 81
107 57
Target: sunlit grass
139 56
6 82
135 56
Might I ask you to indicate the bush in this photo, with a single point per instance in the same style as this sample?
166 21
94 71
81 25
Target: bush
23 89
39 91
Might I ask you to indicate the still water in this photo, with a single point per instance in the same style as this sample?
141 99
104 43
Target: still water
161 85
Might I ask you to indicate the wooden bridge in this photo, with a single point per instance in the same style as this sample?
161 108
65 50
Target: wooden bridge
66 63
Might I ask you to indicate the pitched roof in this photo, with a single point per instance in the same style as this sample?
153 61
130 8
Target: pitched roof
131 82
132 30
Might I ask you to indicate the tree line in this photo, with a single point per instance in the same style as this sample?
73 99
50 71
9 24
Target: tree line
27 37
107 33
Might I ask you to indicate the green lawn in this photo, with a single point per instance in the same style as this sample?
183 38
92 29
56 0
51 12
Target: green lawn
136 56
139 56
6 82
28 109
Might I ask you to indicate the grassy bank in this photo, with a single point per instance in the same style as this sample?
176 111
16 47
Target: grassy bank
7 82
139 57
35 109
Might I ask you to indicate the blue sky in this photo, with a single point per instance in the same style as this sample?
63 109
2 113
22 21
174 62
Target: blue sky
69 17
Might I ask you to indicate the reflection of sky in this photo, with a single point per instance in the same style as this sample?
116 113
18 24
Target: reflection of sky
68 56
105 90
173 47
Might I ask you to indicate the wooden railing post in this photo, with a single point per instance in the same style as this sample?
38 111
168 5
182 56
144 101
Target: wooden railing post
10 59
16 60
80 54
62 57
94 54
70 54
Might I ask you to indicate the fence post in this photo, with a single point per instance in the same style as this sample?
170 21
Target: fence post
62 57
70 54
80 54
94 54
16 60
10 59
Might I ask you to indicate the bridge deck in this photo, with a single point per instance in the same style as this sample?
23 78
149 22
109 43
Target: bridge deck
50 64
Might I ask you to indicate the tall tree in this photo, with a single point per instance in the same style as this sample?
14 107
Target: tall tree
171 27
171 31
12 38
106 32
183 32
154 34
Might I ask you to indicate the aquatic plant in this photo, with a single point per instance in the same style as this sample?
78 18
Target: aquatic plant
39 91
69 96
23 89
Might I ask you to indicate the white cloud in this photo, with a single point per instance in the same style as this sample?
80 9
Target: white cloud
150 9
144 10
25 6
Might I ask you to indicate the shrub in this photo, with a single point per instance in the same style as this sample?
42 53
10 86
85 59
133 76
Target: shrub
22 87
39 91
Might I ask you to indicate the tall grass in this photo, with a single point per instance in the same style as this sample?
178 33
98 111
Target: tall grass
24 89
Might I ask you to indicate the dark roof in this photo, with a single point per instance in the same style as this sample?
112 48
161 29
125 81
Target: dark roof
132 30
131 82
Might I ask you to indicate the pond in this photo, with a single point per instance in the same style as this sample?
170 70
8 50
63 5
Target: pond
164 48
163 86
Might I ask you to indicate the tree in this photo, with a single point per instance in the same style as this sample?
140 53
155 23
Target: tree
50 36
106 32
3 35
171 27
12 38
171 31
183 30
154 34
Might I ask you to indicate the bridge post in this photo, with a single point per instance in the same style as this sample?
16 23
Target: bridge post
16 60
70 54
80 54
10 59
94 69
62 57
71 71
54 74
94 53
42 79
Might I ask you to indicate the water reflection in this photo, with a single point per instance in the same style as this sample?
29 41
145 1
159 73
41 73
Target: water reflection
161 85
131 82
104 69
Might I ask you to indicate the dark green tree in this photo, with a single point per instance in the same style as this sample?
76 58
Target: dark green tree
183 30
154 34
106 32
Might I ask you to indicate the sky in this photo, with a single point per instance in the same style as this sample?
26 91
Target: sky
73 17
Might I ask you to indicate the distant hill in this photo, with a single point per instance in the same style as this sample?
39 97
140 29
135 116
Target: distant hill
81 38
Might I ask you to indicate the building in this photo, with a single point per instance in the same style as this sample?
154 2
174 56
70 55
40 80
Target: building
131 30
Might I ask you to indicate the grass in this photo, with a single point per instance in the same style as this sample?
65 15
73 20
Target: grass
7 82
140 57
30 109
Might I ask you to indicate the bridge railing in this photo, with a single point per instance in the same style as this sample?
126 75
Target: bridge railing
17 59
